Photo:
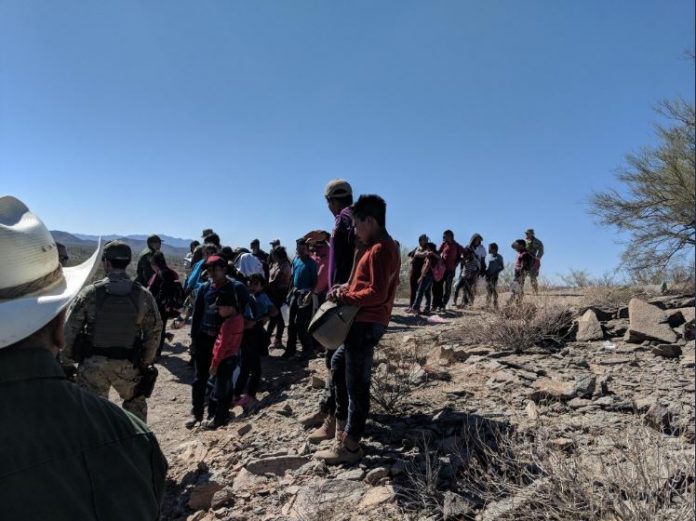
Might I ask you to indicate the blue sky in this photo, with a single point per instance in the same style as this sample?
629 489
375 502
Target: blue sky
489 116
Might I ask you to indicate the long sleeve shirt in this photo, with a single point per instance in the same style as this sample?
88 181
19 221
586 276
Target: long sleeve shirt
450 253
535 247
374 282
342 248
67 454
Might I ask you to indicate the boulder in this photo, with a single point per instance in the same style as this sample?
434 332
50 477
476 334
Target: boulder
323 499
277 465
589 327
648 322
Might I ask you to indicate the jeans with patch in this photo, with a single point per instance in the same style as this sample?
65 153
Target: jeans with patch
351 371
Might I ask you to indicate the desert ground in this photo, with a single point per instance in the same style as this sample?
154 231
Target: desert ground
564 409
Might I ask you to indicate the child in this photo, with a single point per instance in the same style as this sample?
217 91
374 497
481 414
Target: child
254 344
225 359
425 281
523 264
471 266
495 265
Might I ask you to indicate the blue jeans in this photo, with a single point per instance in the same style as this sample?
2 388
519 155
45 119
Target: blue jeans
424 291
351 372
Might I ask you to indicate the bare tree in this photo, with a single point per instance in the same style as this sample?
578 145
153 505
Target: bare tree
657 209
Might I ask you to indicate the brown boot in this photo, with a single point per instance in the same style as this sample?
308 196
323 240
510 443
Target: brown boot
325 432
347 451
313 420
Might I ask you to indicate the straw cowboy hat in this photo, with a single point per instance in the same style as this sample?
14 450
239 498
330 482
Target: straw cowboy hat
34 288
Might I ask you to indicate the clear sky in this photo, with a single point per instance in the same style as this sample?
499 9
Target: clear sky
488 116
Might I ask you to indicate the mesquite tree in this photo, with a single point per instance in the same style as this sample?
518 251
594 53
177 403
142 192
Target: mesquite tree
657 207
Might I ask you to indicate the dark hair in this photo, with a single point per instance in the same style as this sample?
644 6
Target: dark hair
206 232
346 200
448 232
431 246
227 252
213 238
520 242
279 253
423 237
194 245
371 206
119 264
258 277
158 259
493 246
210 247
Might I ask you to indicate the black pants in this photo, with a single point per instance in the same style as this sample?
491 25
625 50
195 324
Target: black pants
327 405
413 282
201 362
448 279
300 317
250 365
219 403
351 367
277 323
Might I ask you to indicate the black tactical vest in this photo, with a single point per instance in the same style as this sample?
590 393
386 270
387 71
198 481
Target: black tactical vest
117 317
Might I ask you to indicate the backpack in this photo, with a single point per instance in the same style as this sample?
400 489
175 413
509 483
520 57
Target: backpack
439 269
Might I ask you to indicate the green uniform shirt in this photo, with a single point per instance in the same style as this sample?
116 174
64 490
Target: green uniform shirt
66 454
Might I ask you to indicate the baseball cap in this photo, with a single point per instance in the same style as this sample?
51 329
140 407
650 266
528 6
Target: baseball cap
117 250
275 242
216 260
154 238
338 188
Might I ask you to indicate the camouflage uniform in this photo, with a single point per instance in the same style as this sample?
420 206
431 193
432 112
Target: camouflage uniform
98 373
536 248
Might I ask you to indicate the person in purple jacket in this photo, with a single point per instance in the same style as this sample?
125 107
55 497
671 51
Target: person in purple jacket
339 198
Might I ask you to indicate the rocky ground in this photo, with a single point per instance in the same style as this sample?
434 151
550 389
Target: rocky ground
623 376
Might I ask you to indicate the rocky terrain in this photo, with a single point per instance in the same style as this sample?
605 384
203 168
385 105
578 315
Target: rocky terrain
589 416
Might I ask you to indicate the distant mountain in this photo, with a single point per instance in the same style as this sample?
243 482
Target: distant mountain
171 241
172 247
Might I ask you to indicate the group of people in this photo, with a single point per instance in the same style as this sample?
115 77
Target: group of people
433 271
238 302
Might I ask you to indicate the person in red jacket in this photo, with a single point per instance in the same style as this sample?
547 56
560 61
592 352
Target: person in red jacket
225 359
371 288
451 252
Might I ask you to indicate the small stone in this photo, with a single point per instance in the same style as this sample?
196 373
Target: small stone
276 465
667 350
352 475
606 401
221 498
317 382
589 327
532 410
375 475
244 429
577 403
564 444
376 496
202 495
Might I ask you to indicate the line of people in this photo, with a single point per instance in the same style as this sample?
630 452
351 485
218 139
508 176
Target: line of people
433 270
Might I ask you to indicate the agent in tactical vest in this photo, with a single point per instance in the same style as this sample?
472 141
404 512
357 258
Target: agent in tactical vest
113 331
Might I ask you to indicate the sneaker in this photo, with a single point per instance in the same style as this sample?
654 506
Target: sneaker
211 425
313 420
344 451
193 422
326 432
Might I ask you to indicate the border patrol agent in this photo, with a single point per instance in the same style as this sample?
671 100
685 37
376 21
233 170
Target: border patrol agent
113 331
66 455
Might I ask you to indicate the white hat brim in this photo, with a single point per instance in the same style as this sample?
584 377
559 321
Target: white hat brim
22 316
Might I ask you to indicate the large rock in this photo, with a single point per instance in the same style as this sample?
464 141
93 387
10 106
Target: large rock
589 327
276 465
648 322
324 499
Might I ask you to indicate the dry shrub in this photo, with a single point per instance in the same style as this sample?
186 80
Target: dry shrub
518 328
610 297
636 479
391 378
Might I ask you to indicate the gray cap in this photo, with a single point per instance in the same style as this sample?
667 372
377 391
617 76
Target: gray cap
117 250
